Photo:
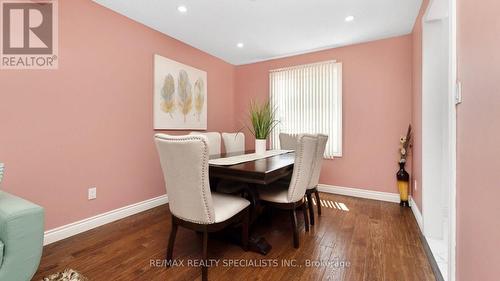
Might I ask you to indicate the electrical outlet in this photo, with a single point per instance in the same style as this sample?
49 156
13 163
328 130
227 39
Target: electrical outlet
92 193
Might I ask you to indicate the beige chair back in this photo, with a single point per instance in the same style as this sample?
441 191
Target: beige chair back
214 141
305 152
234 142
318 160
288 141
184 160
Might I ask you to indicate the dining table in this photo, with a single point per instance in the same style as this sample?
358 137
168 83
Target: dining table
251 175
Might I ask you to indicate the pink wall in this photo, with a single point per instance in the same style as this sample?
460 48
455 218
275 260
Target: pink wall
416 118
92 117
478 141
376 107
89 123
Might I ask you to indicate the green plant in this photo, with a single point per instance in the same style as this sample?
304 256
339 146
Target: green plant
263 119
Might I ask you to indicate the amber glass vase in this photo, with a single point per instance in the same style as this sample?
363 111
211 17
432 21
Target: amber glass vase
403 184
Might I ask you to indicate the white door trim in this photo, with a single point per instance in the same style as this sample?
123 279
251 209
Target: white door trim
453 142
451 13
417 214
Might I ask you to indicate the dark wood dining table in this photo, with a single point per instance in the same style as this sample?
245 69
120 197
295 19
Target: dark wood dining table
262 171
256 173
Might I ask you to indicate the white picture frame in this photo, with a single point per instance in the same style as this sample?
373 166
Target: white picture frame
180 96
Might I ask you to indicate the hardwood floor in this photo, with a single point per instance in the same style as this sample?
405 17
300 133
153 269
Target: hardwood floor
375 241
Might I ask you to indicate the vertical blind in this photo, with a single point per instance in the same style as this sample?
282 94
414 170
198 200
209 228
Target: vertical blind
308 99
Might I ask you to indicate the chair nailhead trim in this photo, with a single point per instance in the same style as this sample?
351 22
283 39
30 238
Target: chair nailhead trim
299 167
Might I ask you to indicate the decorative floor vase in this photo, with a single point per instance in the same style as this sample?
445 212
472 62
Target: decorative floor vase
260 146
403 185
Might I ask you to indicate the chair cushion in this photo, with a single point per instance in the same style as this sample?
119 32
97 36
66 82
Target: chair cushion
226 206
276 194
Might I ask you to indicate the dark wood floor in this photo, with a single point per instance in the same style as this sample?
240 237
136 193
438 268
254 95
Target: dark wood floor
376 240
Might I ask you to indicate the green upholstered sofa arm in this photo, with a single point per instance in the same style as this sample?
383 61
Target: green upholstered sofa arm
1 252
21 233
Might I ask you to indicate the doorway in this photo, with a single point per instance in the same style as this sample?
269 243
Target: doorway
439 132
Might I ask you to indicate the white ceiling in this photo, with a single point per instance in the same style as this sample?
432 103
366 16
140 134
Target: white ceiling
271 28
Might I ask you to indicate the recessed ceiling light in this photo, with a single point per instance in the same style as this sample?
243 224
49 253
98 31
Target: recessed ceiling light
349 18
240 45
182 9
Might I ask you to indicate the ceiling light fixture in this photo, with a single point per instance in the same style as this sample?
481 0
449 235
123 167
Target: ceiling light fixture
349 18
240 45
183 9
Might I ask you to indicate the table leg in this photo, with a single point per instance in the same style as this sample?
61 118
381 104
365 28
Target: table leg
233 234
255 243
252 195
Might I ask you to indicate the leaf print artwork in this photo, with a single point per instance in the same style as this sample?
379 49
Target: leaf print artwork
167 95
180 96
199 96
185 93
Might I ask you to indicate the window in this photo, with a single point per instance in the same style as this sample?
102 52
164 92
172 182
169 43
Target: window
308 99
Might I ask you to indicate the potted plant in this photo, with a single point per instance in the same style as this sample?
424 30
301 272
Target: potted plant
263 121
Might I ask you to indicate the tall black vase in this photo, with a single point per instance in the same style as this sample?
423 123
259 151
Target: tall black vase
403 184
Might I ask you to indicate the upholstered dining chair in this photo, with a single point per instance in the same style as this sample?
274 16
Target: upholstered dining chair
292 198
214 141
316 171
288 141
234 142
184 160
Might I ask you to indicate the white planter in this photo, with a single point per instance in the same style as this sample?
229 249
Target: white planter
260 146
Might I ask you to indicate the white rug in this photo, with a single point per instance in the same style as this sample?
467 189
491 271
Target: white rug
66 275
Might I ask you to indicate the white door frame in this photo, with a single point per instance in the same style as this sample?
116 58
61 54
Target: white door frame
454 86
447 9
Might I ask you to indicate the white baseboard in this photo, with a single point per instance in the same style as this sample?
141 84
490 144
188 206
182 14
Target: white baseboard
375 195
361 193
71 229
417 214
